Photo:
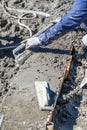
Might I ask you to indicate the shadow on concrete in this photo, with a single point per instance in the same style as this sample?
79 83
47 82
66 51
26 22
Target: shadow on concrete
51 50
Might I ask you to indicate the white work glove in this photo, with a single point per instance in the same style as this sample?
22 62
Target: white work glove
33 42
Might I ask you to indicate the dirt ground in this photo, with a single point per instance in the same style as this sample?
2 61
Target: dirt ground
17 91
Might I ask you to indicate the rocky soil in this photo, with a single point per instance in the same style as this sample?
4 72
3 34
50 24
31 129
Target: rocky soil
17 92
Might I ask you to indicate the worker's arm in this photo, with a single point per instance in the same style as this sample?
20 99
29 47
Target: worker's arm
76 16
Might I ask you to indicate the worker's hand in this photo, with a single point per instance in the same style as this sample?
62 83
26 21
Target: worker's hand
33 42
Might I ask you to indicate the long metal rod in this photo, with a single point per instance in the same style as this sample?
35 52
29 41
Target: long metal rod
7 47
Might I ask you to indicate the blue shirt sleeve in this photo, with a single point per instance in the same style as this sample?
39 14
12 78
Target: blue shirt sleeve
73 18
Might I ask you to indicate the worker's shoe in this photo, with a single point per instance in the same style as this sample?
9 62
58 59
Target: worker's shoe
84 42
33 42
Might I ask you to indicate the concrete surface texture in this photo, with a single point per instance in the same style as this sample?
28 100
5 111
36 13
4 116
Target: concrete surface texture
17 91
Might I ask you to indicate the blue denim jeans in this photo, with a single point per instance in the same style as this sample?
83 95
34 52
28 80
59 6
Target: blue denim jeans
73 18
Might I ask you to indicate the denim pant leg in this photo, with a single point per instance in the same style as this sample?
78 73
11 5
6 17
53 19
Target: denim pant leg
76 16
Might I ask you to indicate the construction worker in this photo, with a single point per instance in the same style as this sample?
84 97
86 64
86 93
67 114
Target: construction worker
76 16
